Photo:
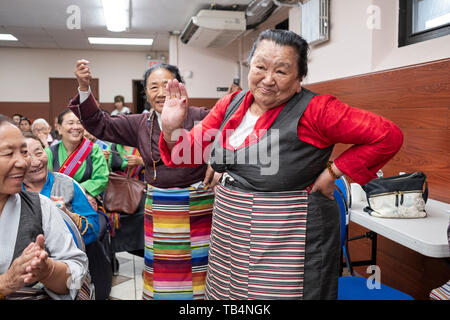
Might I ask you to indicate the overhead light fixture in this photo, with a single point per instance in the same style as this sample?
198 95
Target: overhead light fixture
122 41
7 37
116 14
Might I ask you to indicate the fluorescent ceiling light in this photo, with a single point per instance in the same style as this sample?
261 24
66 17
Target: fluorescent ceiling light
122 41
116 14
7 37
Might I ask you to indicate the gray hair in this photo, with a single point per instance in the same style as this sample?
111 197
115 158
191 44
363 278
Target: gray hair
39 120
286 38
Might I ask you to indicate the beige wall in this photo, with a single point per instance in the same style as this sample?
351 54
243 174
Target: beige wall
25 73
216 67
385 51
354 48
209 68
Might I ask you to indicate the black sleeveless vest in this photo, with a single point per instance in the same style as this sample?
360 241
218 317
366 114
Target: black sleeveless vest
56 165
279 161
30 223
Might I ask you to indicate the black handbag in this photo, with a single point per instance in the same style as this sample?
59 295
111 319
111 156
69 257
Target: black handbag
400 196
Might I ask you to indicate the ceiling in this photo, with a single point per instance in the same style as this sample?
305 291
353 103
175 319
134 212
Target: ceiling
43 23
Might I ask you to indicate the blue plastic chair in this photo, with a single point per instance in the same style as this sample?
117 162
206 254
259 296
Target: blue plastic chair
352 287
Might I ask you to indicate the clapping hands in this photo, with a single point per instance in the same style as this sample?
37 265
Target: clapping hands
31 266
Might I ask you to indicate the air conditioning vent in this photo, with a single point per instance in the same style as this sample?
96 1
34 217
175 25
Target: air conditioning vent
315 21
214 28
190 30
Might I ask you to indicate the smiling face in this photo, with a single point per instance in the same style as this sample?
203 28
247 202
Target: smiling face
71 129
273 78
155 87
14 159
37 171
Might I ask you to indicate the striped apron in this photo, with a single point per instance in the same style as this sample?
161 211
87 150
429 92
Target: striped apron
177 226
261 246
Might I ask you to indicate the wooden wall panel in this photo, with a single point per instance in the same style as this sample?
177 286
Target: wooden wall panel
62 90
418 86
417 99
34 110
195 102
31 110
203 102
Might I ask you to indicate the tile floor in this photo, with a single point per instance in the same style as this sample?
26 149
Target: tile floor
127 283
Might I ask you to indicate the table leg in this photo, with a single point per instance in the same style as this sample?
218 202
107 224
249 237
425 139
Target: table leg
373 255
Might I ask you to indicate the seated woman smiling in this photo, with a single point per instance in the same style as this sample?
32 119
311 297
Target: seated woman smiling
36 248
64 191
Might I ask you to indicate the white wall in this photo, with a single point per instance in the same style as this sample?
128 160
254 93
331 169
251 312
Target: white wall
216 67
385 51
25 73
209 67
348 51
355 48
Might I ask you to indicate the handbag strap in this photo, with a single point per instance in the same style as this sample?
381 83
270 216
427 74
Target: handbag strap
425 193
368 209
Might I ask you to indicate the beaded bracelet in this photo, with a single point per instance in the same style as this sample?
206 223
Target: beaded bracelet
86 225
334 175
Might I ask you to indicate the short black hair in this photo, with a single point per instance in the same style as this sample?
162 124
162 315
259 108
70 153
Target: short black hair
171 68
62 114
16 114
25 119
286 38
119 98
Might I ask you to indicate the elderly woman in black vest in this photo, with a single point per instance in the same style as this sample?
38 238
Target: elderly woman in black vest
275 231
35 245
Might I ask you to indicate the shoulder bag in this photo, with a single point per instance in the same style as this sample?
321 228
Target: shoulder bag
123 193
400 196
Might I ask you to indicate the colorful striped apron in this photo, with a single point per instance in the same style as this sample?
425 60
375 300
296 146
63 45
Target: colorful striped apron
177 230
257 248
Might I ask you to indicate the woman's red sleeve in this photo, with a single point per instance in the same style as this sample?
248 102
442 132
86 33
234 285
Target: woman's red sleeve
374 139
